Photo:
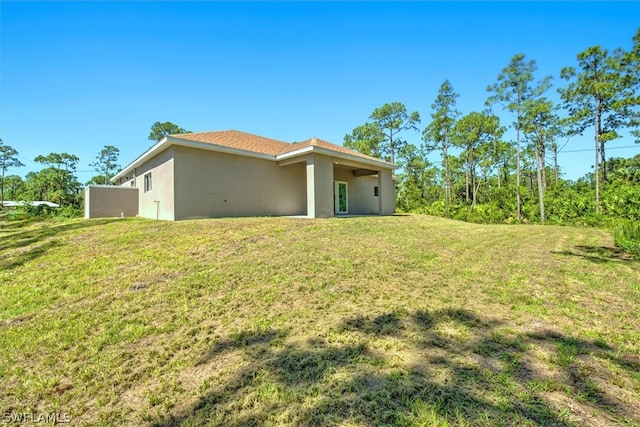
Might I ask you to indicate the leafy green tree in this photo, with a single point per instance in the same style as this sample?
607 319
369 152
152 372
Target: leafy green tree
392 119
160 130
601 93
8 159
107 163
630 75
474 134
437 134
512 90
622 193
59 161
495 162
382 135
555 150
456 165
502 155
624 170
366 139
541 125
14 187
57 182
416 179
39 185
98 180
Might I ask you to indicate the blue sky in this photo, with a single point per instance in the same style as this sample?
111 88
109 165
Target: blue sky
76 76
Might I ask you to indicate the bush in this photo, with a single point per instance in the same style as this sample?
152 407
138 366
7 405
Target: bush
627 237
69 212
28 210
15 214
622 201
486 213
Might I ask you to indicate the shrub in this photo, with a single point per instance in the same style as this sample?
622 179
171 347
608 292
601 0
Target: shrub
28 210
69 212
622 201
627 237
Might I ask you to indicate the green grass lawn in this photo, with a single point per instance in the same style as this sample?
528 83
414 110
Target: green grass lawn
404 320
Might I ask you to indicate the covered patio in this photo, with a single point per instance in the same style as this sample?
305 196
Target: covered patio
341 186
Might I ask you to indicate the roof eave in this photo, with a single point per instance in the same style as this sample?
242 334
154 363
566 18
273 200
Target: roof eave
152 151
338 154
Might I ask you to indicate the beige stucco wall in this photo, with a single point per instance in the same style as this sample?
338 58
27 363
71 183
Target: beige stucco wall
387 192
360 196
103 201
319 176
360 191
159 202
194 183
127 181
211 184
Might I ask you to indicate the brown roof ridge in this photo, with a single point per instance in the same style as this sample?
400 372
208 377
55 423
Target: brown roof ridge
186 135
237 139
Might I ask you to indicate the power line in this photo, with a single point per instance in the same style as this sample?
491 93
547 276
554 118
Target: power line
593 149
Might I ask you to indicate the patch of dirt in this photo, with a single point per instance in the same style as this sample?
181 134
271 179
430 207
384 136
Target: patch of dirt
164 277
61 389
16 321
580 413
611 389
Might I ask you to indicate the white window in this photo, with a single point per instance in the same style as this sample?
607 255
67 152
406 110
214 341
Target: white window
375 191
147 182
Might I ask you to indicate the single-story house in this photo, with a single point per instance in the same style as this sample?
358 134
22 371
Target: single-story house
232 173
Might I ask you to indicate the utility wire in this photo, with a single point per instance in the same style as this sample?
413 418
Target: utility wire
593 149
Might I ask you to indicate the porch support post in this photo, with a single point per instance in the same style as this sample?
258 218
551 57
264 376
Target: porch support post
311 188
386 192
381 193
319 187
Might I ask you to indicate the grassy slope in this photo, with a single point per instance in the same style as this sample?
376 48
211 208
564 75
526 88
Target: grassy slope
407 320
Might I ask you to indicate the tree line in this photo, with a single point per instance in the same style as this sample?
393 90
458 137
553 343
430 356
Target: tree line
485 177
57 181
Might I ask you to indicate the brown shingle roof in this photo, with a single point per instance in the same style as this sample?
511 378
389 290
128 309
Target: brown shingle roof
246 142
259 144
239 140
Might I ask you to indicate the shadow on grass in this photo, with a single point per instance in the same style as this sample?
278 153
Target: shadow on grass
20 247
598 254
28 255
6 224
463 369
